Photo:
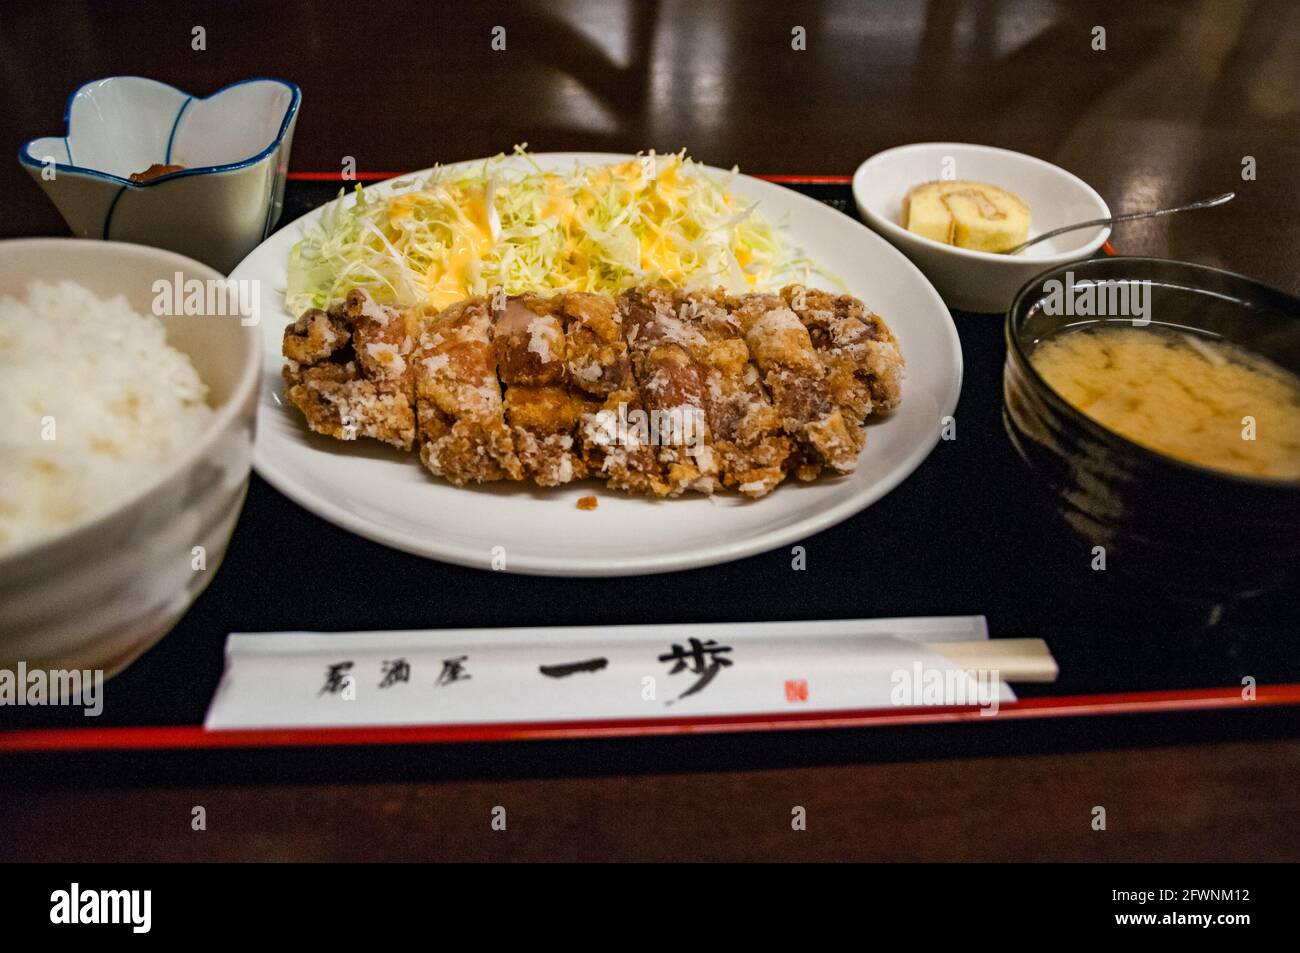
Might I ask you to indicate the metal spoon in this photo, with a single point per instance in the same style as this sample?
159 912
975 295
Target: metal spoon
1204 203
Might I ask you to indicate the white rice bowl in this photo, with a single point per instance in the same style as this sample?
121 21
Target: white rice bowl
93 401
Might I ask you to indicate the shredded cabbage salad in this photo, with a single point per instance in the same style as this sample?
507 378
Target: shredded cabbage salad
466 231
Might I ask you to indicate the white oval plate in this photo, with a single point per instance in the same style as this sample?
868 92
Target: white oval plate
386 496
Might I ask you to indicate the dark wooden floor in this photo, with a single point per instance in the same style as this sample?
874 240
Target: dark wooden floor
1184 95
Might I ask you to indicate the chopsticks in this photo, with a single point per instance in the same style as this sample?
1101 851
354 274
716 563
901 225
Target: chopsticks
1015 660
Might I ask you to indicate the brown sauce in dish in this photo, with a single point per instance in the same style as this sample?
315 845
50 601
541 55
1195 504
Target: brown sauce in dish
154 171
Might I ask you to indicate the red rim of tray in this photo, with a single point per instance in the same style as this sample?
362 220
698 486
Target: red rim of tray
163 737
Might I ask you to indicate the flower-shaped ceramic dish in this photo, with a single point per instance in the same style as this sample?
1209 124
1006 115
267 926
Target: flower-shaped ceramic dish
978 280
233 147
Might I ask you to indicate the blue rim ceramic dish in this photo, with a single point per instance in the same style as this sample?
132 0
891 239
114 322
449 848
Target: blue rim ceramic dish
232 147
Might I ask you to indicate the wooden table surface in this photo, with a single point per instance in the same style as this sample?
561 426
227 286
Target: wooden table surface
1183 98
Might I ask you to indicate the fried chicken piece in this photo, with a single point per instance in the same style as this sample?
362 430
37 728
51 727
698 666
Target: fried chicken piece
672 391
671 385
462 430
656 392
543 415
599 367
528 338
614 438
316 336
795 377
751 447
596 355
544 422
615 446
651 316
348 371
860 353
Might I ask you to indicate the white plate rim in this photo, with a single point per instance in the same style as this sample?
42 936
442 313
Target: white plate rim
568 566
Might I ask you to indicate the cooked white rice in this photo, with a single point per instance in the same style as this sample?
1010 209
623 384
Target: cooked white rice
102 381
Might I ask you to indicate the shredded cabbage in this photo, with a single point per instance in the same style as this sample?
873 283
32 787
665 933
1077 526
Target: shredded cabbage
463 232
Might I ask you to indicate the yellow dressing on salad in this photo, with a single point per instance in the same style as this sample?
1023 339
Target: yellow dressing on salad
449 276
467 231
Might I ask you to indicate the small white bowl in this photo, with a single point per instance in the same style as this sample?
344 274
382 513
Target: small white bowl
233 144
99 593
976 280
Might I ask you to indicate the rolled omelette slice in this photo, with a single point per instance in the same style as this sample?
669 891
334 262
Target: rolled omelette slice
967 214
